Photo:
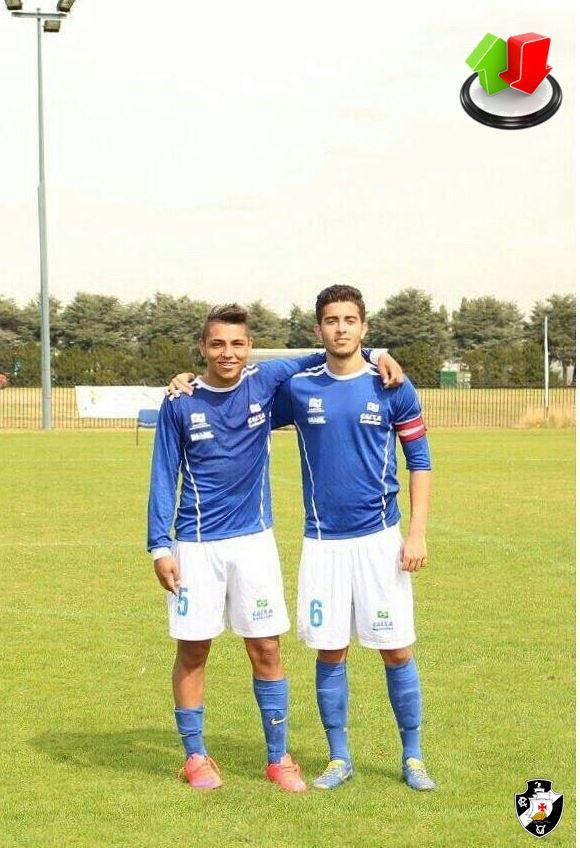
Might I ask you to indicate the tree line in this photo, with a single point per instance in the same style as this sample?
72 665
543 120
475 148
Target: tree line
98 340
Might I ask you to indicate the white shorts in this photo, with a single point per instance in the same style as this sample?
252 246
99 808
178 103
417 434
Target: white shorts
232 581
348 586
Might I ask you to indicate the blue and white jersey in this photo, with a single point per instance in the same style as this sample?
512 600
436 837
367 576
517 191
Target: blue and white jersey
219 439
347 428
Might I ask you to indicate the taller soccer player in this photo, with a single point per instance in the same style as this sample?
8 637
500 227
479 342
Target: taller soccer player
223 564
355 565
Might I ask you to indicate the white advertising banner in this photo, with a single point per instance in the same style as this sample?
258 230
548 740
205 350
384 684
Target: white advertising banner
117 401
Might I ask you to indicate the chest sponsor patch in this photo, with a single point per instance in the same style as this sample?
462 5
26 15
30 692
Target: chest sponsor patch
197 421
371 418
201 436
256 420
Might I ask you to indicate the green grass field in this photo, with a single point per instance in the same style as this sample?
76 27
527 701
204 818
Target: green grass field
89 752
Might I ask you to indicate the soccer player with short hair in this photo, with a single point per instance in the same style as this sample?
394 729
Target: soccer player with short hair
355 565
223 564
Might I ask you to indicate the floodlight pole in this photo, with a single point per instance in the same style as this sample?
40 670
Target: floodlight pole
45 370
546 372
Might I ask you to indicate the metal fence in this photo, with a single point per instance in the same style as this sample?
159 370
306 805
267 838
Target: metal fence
20 409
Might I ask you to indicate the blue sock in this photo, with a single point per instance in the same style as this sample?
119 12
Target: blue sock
190 726
272 698
332 697
405 696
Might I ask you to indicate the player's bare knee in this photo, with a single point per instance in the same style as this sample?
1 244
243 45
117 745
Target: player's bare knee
397 656
192 655
265 657
333 657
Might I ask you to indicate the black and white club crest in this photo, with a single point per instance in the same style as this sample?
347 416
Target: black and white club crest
539 809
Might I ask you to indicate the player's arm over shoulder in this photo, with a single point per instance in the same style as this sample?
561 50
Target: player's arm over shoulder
276 371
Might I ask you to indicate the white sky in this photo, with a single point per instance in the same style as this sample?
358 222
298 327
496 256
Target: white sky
258 149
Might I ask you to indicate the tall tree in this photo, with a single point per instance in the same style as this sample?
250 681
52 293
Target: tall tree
10 320
561 312
178 319
267 328
486 322
422 366
93 320
301 328
507 366
408 318
30 321
163 358
21 362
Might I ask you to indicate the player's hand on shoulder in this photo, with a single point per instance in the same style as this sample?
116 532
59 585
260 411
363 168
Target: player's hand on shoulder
414 552
391 372
180 383
167 571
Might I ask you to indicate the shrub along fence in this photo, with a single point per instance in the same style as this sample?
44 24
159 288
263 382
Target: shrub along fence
20 408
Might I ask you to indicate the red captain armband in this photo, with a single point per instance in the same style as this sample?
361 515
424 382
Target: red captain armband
408 431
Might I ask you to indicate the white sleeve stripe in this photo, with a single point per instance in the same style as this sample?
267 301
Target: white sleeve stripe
408 420
312 501
311 372
197 499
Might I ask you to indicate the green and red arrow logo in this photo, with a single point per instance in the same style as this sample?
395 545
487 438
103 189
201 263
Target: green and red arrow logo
522 63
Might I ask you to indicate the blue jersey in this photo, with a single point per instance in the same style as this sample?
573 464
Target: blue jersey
219 439
347 428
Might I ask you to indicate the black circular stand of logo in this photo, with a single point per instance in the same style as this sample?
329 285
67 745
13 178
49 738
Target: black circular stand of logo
504 122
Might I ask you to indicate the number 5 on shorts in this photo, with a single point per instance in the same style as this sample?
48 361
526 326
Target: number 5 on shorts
182 602
316 613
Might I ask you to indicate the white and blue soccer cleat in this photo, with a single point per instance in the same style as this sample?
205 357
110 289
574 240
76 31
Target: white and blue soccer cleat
415 775
335 773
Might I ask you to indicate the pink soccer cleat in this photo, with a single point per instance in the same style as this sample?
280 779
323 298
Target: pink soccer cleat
286 774
200 772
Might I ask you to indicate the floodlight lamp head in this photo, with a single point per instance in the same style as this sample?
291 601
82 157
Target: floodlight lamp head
64 5
51 26
13 5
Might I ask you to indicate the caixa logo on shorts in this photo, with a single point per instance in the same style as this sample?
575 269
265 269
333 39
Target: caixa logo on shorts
539 809
263 610
383 621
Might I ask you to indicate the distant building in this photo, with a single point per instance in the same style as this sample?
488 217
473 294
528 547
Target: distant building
454 375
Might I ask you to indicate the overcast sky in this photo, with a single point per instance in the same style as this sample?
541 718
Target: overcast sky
261 149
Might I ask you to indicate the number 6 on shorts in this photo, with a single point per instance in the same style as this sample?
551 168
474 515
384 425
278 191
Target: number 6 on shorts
182 602
315 613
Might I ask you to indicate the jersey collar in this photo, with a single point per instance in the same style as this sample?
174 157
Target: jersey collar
201 384
363 370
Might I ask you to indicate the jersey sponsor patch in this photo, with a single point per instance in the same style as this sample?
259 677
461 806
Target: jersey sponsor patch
371 418
408 431
201 436
256 420
257 417
316 411
197 420
199 423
